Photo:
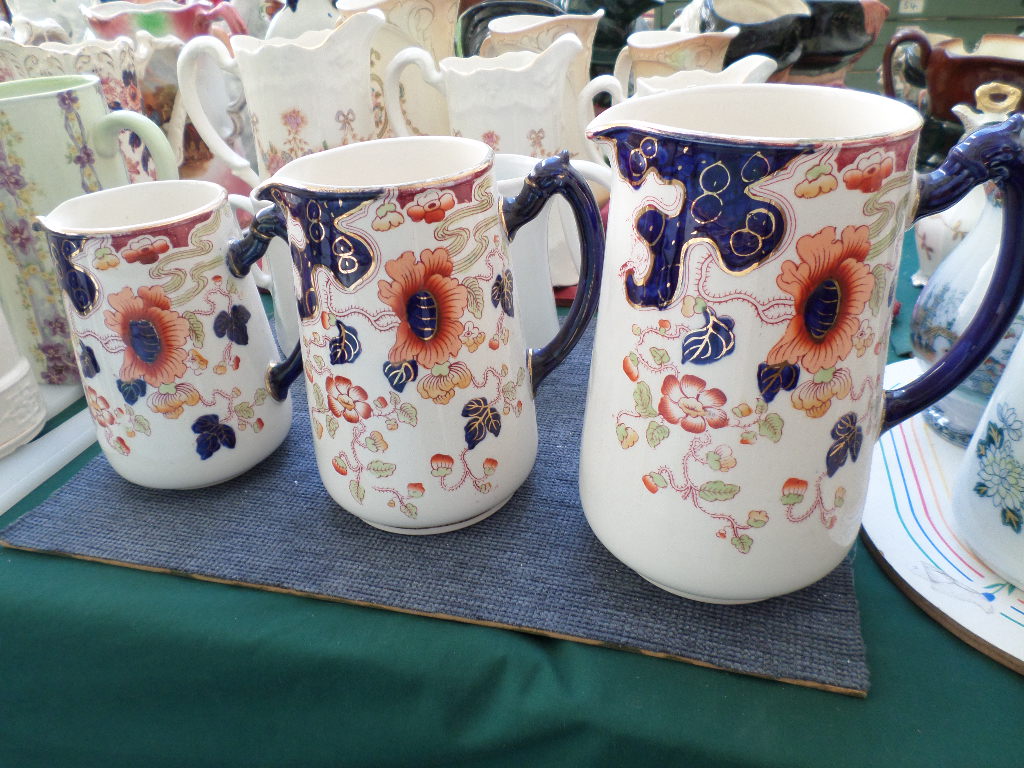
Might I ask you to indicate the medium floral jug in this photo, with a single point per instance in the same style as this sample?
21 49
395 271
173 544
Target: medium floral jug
419 382
754 237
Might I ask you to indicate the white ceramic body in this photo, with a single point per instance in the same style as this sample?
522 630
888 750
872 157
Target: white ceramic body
988 493
112 61
656 53
22 411
67 13
725 449
397 451
294 107
173 348
936 236
58 140
524 32
749 69
515 103
426 24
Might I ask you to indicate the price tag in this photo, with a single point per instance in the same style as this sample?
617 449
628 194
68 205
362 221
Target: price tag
908 7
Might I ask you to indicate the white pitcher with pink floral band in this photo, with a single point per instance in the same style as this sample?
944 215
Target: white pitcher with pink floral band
57 140
303 95
420 385
426 24
175 351
519 102
754 236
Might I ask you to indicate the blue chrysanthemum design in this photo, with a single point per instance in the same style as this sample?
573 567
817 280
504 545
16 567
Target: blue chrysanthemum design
483 418
501 292
712 342
211 435
848 437
132 390
345 347
400 374
87 360
233 324
772 379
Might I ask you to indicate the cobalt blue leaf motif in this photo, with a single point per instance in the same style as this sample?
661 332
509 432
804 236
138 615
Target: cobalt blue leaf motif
131 391
400 374
772 379
345 348
211 435
712 342
233 324
848 437
501 292
87 360
483 418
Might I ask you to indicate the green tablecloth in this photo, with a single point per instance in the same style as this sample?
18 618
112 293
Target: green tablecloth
107 666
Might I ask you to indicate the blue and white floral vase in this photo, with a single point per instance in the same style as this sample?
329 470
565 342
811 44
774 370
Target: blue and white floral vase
950 299
988 496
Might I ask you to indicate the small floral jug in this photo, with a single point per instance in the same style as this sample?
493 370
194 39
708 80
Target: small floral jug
176 355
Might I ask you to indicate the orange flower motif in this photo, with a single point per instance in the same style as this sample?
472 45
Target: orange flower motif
863 339
99 407
830 286
440 383
871 170
431 206
490 465
429 303
818 181
815 397
793 491
345 400
689 404
441 464
171 399
153 334
146 250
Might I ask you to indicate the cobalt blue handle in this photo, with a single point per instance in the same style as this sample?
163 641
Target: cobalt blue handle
555 176
992 153
242 254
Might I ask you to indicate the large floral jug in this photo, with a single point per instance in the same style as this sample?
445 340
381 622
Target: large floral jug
754 236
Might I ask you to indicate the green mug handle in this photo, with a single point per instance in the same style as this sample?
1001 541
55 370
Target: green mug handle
106 132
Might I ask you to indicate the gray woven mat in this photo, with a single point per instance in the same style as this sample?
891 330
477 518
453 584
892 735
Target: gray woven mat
534 565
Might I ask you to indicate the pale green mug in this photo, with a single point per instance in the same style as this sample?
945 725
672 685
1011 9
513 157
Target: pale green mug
58 140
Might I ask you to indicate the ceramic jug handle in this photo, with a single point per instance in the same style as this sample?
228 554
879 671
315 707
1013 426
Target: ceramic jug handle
109 128
263 279
392 88
903 36
230 16
993 153
585 106
555 176
242 255
188 84
623 69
